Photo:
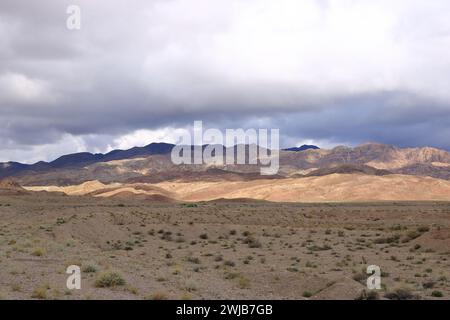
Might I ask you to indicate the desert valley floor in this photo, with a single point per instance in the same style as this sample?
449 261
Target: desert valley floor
240 249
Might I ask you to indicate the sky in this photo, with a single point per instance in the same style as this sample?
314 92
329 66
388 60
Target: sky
325 72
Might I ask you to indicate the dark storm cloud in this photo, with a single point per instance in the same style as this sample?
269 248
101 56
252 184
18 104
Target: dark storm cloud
371 118
321 71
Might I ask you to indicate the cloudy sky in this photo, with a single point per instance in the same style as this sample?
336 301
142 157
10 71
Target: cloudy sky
322 71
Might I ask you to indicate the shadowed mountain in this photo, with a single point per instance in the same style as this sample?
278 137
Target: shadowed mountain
10 168
210 174
302 148
151 149
348 169
84 159
430 170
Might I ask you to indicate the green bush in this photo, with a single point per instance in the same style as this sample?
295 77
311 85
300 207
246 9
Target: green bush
437 294
109 279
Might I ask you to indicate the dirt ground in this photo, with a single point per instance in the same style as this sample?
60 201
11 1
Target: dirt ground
137 249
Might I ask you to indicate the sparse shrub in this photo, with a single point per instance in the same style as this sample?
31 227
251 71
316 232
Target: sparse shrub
392 239
252 242
180 240
319 248
90 268
194 260
423 229
429 284
307 294
437 294
39 293
158 296
176 271
133 290
229 263
244 283
186 296
167 236
16 288
109 279
401 294
38 252
360 277
371 295
203 236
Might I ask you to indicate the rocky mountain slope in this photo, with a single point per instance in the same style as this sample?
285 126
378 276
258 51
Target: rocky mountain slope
152 164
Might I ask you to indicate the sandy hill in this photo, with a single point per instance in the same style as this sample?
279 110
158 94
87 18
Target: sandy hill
332 187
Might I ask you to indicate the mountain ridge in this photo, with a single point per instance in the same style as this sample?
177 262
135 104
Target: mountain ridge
152 163
86 158
302 148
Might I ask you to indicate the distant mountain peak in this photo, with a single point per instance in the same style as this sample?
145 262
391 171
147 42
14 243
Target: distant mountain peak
302 148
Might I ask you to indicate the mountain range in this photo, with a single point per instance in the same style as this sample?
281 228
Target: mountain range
152 164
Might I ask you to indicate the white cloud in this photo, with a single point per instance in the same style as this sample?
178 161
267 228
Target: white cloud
143 137
45 152
18 88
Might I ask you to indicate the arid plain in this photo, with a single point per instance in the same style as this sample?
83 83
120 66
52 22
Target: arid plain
140 249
